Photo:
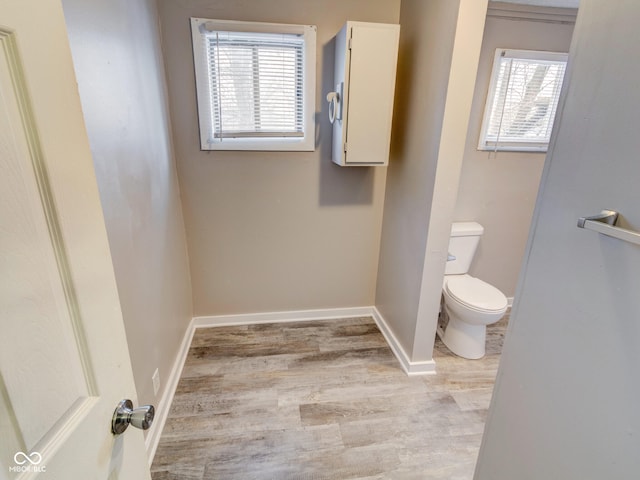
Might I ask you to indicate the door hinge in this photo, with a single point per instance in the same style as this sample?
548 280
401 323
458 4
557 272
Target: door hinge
345 147
350 42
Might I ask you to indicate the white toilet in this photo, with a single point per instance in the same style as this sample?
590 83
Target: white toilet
470 303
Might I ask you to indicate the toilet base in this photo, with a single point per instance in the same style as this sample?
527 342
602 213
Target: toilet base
463 339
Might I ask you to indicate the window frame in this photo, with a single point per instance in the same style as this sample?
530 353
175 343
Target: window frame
487 144
200 27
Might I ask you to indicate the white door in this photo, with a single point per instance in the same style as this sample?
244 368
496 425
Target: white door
64 363
567 399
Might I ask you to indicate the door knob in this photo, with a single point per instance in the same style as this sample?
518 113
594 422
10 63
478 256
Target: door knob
125 414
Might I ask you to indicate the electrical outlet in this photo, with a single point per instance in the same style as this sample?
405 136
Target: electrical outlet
156 381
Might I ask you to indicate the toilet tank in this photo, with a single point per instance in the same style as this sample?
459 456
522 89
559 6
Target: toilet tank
462 245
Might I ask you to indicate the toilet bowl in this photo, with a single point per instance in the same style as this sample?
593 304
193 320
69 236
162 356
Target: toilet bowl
469 303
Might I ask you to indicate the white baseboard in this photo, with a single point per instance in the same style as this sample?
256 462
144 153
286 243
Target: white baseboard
162 412
164 405
410 368
279 317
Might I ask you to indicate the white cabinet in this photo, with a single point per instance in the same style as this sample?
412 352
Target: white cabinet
362 105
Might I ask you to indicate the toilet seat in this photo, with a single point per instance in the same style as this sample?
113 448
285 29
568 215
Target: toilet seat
475 294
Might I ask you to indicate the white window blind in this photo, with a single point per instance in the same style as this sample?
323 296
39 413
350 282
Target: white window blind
254 85
522 100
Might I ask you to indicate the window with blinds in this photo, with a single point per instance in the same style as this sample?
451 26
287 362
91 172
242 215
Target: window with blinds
522 100
255 85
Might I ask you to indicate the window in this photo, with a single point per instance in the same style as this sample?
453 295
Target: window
522 100
255 85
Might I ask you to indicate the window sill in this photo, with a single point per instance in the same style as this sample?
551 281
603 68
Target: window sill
279 145
513 149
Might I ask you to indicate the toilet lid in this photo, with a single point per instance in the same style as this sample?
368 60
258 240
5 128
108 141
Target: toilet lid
475 293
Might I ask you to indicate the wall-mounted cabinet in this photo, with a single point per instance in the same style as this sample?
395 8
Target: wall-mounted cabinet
361 108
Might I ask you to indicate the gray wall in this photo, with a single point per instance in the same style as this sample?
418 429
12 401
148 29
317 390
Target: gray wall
120 74
439 48
498 190
273 231
565 405
427 32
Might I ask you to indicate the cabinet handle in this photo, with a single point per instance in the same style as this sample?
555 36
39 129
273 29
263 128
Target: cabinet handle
335 103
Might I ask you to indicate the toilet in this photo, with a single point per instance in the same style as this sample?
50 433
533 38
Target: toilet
470 303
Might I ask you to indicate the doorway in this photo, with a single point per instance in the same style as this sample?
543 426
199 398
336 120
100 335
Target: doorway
499 189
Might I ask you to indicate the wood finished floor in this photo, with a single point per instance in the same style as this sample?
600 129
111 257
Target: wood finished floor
322 400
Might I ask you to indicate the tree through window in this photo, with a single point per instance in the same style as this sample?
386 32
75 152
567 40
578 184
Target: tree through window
522 100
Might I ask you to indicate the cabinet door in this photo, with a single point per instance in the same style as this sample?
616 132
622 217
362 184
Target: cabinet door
371 84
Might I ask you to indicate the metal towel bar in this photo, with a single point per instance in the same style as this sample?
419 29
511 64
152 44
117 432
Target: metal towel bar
605 223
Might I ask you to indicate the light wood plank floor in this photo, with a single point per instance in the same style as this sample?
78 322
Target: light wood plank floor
322 400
